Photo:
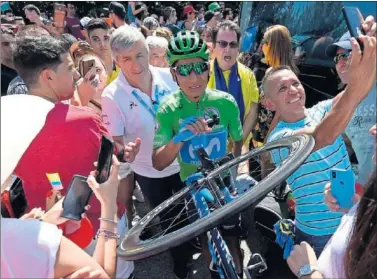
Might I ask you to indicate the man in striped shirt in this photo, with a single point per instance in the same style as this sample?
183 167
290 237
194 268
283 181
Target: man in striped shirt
315 223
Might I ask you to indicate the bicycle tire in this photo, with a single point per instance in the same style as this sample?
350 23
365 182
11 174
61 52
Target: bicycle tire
132 248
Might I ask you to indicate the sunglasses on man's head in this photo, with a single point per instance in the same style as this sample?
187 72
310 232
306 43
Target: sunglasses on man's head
224 44
185 70
343 56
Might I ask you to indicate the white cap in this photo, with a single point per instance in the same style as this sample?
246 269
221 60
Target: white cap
84 21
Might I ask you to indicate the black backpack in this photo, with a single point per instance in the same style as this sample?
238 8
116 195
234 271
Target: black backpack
13 201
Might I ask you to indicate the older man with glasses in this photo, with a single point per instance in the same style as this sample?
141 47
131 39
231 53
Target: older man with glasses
129 106
228 75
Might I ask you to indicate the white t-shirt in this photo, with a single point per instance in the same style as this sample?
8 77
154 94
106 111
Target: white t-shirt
28 248
330 262
363 142
124 115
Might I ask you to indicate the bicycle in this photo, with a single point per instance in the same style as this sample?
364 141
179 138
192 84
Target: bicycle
208 199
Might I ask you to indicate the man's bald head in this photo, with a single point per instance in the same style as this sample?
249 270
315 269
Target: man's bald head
270 72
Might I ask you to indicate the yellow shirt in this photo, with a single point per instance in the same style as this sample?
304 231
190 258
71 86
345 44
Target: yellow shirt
114 75
249 86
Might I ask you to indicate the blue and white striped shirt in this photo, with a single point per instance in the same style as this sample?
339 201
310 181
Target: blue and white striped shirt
308 181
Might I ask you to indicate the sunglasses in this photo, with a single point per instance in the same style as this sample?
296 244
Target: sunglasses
344 56
224 44
185 70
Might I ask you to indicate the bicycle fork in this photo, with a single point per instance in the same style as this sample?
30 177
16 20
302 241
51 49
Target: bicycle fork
218 249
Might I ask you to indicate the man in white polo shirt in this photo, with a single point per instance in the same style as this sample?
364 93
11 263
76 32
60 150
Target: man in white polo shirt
129 106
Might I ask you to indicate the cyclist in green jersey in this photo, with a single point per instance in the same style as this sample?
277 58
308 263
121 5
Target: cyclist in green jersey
188 109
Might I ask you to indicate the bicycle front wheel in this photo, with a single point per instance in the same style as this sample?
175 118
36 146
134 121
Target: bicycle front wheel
172 231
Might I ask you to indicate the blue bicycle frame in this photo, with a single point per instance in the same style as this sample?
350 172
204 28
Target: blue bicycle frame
221 256
219 251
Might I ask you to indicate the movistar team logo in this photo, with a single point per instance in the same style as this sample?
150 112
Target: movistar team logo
214 143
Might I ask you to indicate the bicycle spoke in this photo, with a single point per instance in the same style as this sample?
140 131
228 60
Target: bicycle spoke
167 220
179 219
184 201
180 222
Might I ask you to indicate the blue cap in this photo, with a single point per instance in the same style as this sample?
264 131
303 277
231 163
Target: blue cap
344 42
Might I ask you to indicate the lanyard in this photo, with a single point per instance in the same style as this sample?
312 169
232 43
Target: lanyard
144 104
155 104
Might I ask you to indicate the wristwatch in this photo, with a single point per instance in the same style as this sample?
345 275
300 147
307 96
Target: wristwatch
306 269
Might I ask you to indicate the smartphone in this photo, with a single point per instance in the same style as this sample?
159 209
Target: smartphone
343 187
105 159
59 15
85 66
77 197
354 20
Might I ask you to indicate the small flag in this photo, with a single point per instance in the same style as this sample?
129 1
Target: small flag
55 182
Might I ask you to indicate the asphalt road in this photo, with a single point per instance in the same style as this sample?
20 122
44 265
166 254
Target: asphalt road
161 266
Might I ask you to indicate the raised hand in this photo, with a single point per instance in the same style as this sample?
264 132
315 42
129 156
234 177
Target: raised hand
53 216
332 203
369 26
362 71
106 192
190 128
131 149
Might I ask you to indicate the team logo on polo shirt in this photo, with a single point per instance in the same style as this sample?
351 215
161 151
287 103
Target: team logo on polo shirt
132 104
